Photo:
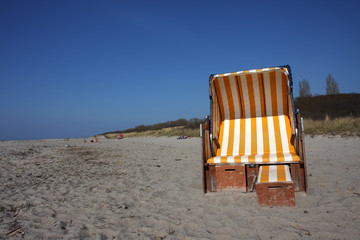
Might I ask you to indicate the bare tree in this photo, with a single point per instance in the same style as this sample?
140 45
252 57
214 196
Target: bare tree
331 86
304 88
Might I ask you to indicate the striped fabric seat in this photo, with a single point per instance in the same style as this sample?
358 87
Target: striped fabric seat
274 173
251 117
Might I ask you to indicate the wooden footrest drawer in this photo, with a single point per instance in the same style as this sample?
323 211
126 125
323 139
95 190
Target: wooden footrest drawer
274 186
230 178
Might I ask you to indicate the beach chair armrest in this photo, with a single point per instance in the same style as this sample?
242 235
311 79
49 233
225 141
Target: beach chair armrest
216 142
293 138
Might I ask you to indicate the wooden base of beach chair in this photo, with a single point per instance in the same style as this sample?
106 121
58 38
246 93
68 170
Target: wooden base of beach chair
272 192
298 177
252 172
230 177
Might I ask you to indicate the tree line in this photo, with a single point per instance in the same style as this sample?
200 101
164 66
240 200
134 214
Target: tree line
182 122
331 87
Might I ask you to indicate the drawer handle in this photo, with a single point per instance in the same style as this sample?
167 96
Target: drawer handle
230 169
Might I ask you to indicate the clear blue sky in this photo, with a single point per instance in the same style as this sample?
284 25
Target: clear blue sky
78 68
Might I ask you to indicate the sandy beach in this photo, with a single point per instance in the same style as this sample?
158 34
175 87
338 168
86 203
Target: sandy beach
150 188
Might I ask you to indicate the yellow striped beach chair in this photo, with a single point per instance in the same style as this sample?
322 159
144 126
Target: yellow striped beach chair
252 124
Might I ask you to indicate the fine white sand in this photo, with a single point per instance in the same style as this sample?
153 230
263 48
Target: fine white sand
151 188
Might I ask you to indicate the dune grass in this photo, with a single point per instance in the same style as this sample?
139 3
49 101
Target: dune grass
169 132
344 126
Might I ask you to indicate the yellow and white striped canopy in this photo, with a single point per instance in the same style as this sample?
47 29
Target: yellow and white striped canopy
251 116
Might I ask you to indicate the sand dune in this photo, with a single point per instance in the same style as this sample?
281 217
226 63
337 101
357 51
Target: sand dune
150 188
